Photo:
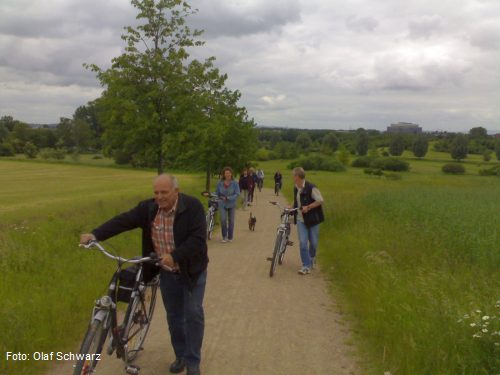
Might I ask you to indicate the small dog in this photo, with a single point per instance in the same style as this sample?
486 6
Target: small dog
251 222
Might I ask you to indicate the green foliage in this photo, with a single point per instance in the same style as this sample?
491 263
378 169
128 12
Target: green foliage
6 149
493 171
361 142
330 142
459 147
284 150
390 164
497 149
362 162
30 150
453 168
397 145
478 132
318 163
52 153
487 155
420 146
262 154
343 155
303 141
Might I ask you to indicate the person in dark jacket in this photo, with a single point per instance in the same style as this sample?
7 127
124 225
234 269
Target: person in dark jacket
308 199
173 225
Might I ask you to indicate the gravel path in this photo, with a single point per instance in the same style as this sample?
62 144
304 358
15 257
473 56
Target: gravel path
255 324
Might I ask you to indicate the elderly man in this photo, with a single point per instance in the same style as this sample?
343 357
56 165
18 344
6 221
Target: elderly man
308 199
173 225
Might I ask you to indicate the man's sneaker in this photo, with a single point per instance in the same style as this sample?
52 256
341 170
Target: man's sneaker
304 271
223 240
231 240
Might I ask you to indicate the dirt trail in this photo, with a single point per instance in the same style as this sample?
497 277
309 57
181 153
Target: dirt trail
255 324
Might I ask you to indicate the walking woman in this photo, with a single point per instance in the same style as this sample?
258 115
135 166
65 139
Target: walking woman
228 191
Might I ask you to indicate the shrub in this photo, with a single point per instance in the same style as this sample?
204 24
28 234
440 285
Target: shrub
52 153
390 164
362 162
373 171
262 154
30 150
6 149
319 163
453 168
493 171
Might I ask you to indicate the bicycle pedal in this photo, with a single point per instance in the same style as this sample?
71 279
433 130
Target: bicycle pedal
132 369
269 259
289 243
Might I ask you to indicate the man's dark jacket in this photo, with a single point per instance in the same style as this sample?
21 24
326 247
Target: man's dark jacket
189 233
313 217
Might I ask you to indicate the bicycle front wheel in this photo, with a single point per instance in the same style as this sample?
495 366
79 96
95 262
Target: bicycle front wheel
282 250
210 225
91 348
276 253
138 319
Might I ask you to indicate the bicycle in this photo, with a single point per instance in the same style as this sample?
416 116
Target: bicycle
213 206
277 188
126 338
282 237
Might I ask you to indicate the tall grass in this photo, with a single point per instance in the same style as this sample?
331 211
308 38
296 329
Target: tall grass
416 261
48 283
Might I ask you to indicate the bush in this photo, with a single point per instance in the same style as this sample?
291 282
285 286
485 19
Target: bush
373 171
318 163
453 168
493 171
6 149
262 154
52 153
362 162
390 164
30 150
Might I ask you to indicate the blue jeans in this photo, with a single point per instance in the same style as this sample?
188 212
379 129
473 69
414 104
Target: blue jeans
308 238
185 316
227 222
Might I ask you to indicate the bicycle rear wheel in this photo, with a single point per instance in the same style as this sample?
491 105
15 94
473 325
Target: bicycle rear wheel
91 347
138 319
276 253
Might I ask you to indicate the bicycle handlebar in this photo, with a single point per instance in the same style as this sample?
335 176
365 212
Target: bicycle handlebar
283 208
95 243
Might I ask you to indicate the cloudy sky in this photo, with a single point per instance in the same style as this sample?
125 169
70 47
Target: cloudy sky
298 63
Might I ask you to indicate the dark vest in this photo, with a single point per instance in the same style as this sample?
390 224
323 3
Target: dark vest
313 217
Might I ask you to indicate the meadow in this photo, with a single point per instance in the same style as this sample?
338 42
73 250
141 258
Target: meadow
414 261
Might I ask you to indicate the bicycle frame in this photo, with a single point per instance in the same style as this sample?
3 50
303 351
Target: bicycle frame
282 237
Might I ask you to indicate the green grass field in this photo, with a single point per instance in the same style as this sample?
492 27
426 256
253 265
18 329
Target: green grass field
48 283
410 258
416 261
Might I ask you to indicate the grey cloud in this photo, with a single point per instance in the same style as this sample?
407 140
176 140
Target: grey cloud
425 26
486 36
222 18
363 24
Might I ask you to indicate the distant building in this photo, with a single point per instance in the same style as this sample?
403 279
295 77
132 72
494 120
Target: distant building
404 128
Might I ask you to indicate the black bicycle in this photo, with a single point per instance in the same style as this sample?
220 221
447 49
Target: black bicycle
127 335
277 188
282 237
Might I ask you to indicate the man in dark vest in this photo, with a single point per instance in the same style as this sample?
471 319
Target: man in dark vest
308 199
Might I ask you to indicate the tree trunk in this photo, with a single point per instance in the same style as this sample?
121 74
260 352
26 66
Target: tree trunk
207 182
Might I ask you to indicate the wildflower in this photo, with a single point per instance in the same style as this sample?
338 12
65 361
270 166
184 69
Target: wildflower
476 335
485 330
478 311
466 316
486 317
473 324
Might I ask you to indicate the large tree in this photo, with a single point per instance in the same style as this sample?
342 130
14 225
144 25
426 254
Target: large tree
459 147
397 145
157 98
420 146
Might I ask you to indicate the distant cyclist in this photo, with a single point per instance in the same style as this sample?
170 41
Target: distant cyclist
277 182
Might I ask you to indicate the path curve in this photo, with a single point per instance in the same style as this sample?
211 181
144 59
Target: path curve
288 324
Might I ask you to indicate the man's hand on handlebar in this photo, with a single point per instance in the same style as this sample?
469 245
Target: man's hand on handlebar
86 238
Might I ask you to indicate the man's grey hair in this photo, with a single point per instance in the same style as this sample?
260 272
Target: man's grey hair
172 178
299 172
